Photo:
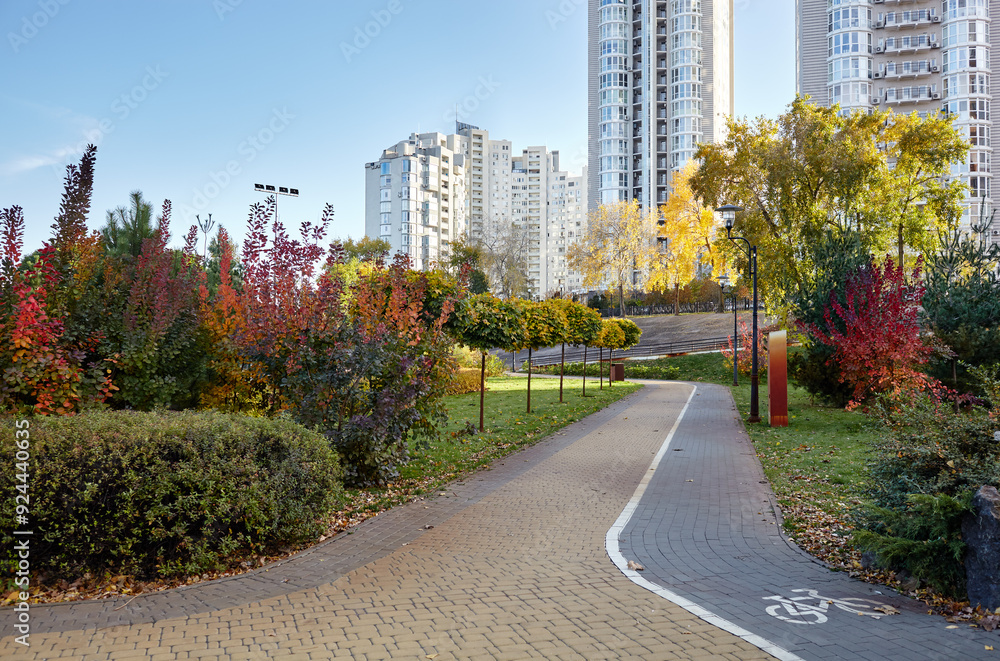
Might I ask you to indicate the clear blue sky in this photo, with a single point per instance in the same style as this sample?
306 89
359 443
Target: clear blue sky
286 93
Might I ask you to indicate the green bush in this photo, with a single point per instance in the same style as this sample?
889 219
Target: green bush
164 494
924 538
811 370
633 370
922 476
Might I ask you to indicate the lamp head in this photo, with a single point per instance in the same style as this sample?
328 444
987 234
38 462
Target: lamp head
728 212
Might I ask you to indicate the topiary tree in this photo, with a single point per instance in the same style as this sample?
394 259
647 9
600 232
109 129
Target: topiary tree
546 327
611 337
484 322
631 333
584 325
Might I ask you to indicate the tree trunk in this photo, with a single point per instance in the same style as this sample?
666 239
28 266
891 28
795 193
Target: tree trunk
621 300
900 239
584 370
529 379
482 391
954 377
600 368
562 364
677 299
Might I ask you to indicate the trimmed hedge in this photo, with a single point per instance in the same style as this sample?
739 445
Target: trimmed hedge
166 494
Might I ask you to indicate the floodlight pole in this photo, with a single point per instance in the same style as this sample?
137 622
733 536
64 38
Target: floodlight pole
276 191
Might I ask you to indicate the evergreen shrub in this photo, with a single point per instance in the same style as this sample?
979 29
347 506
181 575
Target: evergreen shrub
166 494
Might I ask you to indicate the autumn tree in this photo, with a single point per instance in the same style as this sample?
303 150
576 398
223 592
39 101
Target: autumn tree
815 169
505 246
546 327
365 249
583 327
484 322
616 245
466 257
611 337
686 231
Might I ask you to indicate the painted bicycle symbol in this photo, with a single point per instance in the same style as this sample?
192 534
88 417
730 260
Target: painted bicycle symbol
810 607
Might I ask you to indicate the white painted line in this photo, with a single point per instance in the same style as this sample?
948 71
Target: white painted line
614 552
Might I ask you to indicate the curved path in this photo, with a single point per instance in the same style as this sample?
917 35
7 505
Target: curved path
707 529
512 564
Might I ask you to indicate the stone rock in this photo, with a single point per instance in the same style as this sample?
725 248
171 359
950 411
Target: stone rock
981 533
869 560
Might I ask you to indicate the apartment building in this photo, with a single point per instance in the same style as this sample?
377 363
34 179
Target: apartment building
660 83
415 197
919 56
492 185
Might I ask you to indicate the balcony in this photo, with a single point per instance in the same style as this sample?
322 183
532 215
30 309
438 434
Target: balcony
896 71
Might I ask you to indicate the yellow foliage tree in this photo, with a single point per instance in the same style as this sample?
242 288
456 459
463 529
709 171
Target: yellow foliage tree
685 237
615 245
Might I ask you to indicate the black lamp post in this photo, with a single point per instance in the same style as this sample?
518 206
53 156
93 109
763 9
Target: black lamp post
723 282
729 212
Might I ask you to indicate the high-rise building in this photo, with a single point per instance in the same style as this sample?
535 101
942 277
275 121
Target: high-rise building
415 197
918 56
432 189
660 83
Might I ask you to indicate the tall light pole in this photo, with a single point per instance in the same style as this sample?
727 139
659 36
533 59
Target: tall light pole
729 212
723 282
276 191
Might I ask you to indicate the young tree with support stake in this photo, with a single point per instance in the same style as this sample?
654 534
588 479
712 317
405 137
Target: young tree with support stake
611 337
583 327
484 322
630 337
546 325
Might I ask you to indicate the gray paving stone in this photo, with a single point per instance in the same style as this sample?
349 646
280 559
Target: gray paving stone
705 541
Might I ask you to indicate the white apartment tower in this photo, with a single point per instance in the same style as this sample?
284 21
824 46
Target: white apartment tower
909 56
415 197
660 83
431 189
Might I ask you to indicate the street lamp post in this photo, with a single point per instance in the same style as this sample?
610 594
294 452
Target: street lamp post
276 191
723 282
729 212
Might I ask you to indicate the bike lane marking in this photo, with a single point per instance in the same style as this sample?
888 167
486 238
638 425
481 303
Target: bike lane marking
611 545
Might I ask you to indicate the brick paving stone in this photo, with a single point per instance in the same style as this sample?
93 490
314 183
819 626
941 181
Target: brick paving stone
515 567
516 553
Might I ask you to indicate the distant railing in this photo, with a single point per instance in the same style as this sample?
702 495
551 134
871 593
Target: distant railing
686 308
575 354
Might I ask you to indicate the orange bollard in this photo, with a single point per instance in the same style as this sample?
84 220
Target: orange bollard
777 378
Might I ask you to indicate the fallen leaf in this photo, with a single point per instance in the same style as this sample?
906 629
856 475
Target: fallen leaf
951 626
888 610
431 656
635 566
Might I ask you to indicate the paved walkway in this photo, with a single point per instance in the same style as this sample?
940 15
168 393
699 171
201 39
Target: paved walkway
706 530
514 565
